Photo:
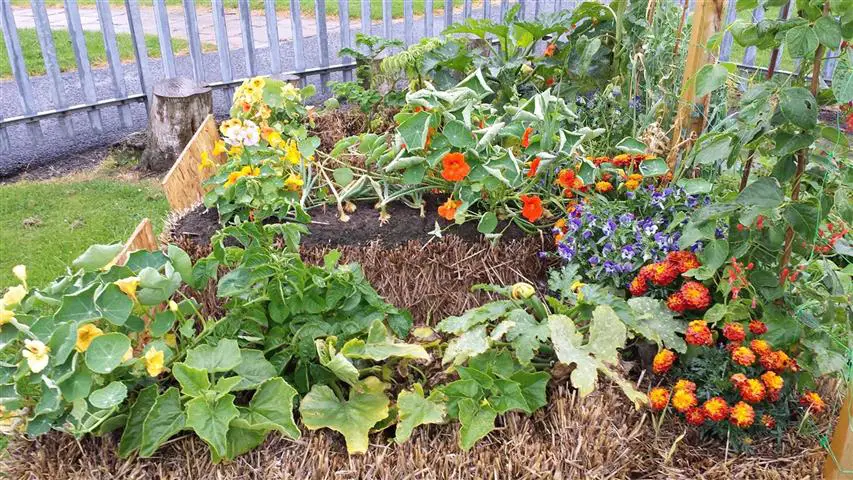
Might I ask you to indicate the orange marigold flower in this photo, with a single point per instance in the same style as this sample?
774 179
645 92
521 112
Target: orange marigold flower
550 50
676 302
768 421
683 400
662 273
448 209
812 402
776 361
532 208
683 260
698 333
757 327
658 398
734 332
737 379
638 287
742 415
663 361
603 187
686 385
621 160
534 166
760 347
696 295
716 409
732 346
455 167
695 416
632 185
743 356
752 391
772 381
525 138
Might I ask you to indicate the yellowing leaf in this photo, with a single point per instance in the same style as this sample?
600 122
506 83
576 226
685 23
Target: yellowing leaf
416 410
380 346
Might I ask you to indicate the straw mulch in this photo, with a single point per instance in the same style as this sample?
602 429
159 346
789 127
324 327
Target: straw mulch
600 436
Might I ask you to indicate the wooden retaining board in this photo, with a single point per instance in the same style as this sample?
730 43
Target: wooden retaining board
141 239
183 181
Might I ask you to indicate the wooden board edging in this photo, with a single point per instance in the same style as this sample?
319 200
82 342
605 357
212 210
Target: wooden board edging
142 238
182 183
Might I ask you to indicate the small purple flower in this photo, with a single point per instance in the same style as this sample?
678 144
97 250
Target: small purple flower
574 224
634 103
626 218
542 255
718 233
594 260
586 234
607 248
610 267
692 201
609 227
706 200
566 251
629 195
628 252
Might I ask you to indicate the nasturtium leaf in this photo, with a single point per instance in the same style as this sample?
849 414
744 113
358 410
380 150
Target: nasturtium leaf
414 130
470 344
164 419
62 342
653 321
194 381
77 386
655 167
799 106
78 307
221 358
695 186
131 437
631 145
210 418
381 346
353 418
488 223
113 305
710 78
97 256
343 176
801 41
51 398
458 134
163 323
155 288
109 396
477 421
764 192
254 369
271 408
181 262
105 352
475 316
414 410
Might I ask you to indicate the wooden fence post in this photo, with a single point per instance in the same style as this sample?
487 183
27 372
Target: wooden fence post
141 239
707 19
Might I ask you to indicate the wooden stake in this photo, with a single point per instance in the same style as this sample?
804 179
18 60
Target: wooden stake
141 239
842 444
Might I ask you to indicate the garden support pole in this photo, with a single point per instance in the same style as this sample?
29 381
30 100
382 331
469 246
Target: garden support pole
839 461
707 20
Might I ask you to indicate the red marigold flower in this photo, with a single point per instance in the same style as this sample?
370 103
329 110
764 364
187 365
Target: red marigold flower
683 260
645 272
683 400
663 273
757 327
716 409
742 415
603 187
760 347
768 422
752 391
676 302
812 402
737 379
525 138
732 346
695 416
550 50
455 167
743 356
734 332
698 333
684 384
772 381
532 208
534 166
621 160
658 398
448 209
663 361
696 295
775 361
638 287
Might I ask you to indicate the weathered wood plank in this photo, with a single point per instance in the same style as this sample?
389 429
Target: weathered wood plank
323 39
164 35
140 51
142 238
408 21
366 21
386 18
223 50
429 17
448 13
272 36
298 39
105 19
81 55
182 183
728 39
51 66
346 41
19 68
247 36
191 19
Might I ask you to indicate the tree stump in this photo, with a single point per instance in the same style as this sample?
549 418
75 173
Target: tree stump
178 109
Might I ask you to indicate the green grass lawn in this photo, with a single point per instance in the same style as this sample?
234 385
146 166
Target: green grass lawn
306 7
65 54
47 224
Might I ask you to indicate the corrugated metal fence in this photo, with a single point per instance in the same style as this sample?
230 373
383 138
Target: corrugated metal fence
304 62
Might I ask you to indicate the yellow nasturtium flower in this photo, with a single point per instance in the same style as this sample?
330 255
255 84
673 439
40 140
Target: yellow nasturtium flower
274 139
258 82
85 335
293 182
206 162
6 316
20 272
128 286
14 295
291 152
235 151
36 354
219 148
153 360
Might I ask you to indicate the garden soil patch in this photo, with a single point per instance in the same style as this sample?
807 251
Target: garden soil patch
600 436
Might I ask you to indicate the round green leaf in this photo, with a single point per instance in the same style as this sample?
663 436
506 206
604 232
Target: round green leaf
828 32
801 41
799 107
105 352
109 396
114 305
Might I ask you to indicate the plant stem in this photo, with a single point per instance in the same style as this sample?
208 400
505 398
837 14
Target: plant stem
747 167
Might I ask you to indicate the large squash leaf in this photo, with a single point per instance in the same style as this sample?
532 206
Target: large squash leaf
655 322
380 346
469 344
271 408
523 332
353 418
477 421
336 361
414 410
210 418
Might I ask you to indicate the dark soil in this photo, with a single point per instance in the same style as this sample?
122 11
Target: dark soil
364 227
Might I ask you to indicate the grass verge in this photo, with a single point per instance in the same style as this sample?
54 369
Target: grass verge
65 54
47 224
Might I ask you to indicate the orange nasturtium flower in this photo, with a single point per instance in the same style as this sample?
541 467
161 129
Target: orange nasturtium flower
525 138
550 50
532 208
455 167
534 166
448 209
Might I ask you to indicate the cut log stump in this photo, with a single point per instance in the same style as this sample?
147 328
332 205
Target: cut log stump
178 109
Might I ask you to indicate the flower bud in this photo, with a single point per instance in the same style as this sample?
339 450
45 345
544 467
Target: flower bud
522 290
20 272
173 306
526 69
